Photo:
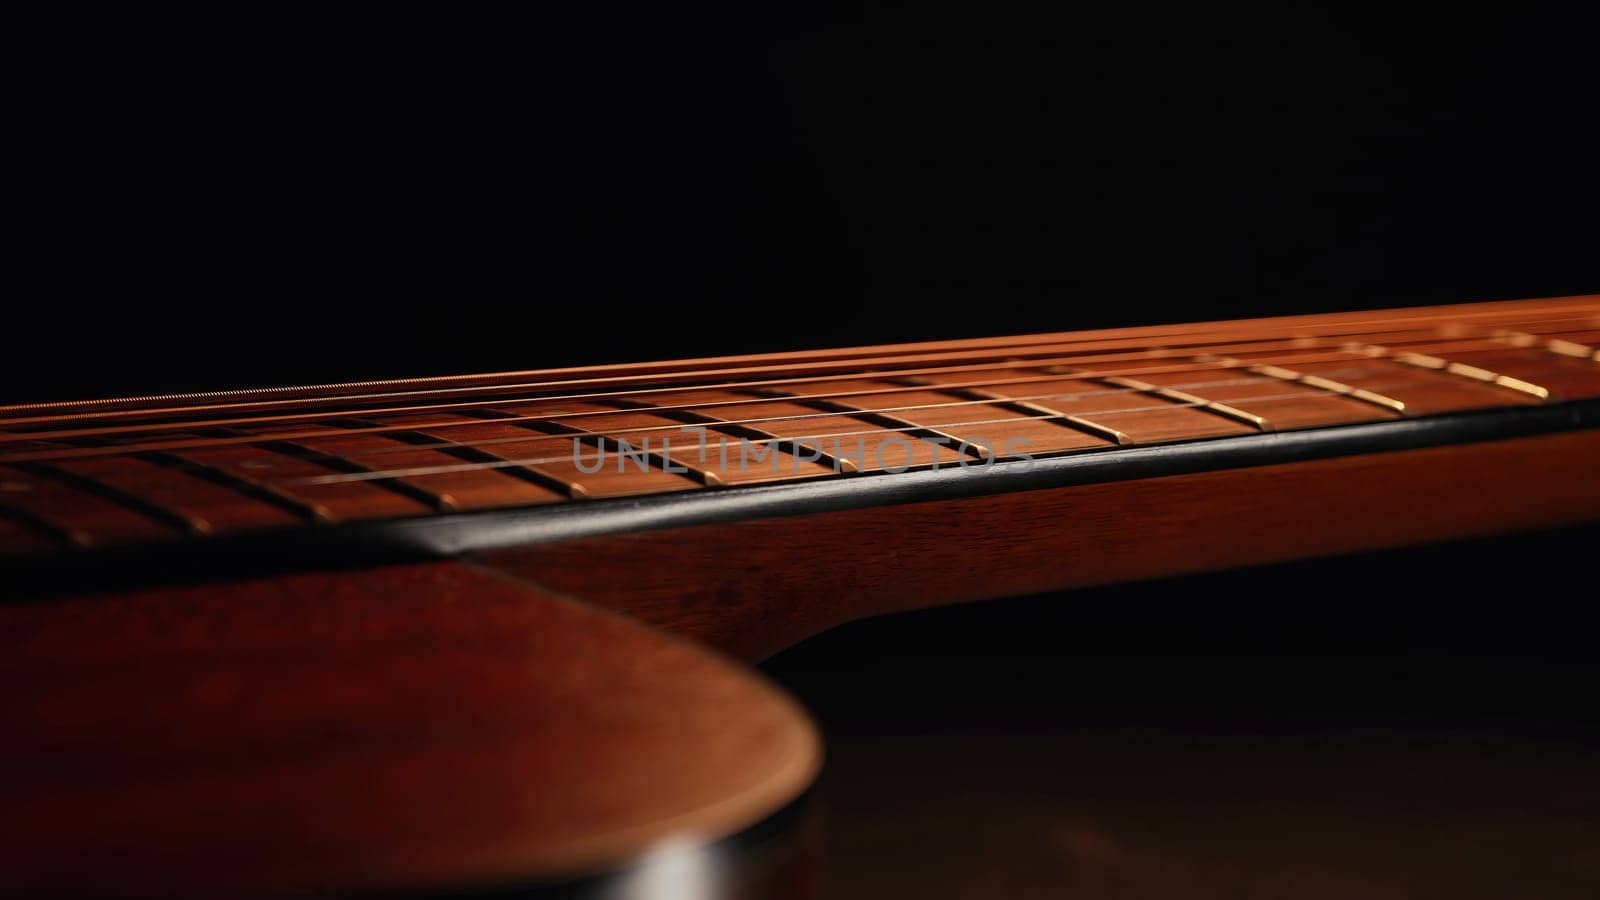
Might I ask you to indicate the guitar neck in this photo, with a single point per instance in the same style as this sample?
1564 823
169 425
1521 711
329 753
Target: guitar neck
491 461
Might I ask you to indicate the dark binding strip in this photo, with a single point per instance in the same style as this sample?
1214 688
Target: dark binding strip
442 536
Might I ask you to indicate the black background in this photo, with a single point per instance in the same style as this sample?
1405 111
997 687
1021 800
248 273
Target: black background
221 201
1413 723
207 202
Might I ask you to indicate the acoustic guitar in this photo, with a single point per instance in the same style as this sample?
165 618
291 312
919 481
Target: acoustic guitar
491 634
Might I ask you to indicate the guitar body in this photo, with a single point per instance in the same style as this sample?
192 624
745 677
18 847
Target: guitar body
406 729
478 635
753 588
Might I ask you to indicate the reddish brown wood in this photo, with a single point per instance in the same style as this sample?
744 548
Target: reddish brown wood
413 727
511 444
283 471
218 507
70 510
1485 315
446 726
755 587
458 489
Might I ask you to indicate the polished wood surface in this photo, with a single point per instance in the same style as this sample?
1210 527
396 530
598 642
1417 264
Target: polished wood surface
532 712
413 728
168 469
756 587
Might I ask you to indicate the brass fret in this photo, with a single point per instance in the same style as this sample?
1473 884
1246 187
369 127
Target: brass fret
574 489
538 474
1040 410
866 414
249 487
705 476
73 537
1053 414
462 496
1425 361
173 518
128 472
337 463
1282 373
1184 397
1557 346
790 446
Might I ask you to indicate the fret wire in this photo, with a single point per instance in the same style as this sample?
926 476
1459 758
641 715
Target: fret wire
115 450
186 426
1029 404
503 387
1211 364
1476 373
52 530
599 439
997 399
178 520
410 440
288 447
730 428
880 416
1171 392
1455 347
1343 324
437 470
244 486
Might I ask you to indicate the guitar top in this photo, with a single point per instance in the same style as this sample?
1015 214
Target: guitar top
469 633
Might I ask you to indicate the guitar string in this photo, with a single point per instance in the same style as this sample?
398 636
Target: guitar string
591 394
423 471
1162 353
714 425
112 449
1159 361
671 428
1541 323
1339 323
1342 355
1129 345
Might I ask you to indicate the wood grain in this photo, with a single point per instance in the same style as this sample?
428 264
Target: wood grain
755 587
493 723
160 470
414 727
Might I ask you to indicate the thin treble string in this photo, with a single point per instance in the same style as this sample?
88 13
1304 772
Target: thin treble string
194 443
1339 324
1151 355
532 437
1342 354
714 425
191 443
776 368
1129 352
422 471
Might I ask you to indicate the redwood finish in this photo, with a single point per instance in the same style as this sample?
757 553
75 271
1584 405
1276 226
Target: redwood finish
163 470
418 727
753 588
494 721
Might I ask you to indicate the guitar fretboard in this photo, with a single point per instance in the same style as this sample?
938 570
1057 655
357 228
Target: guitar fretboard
168 468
